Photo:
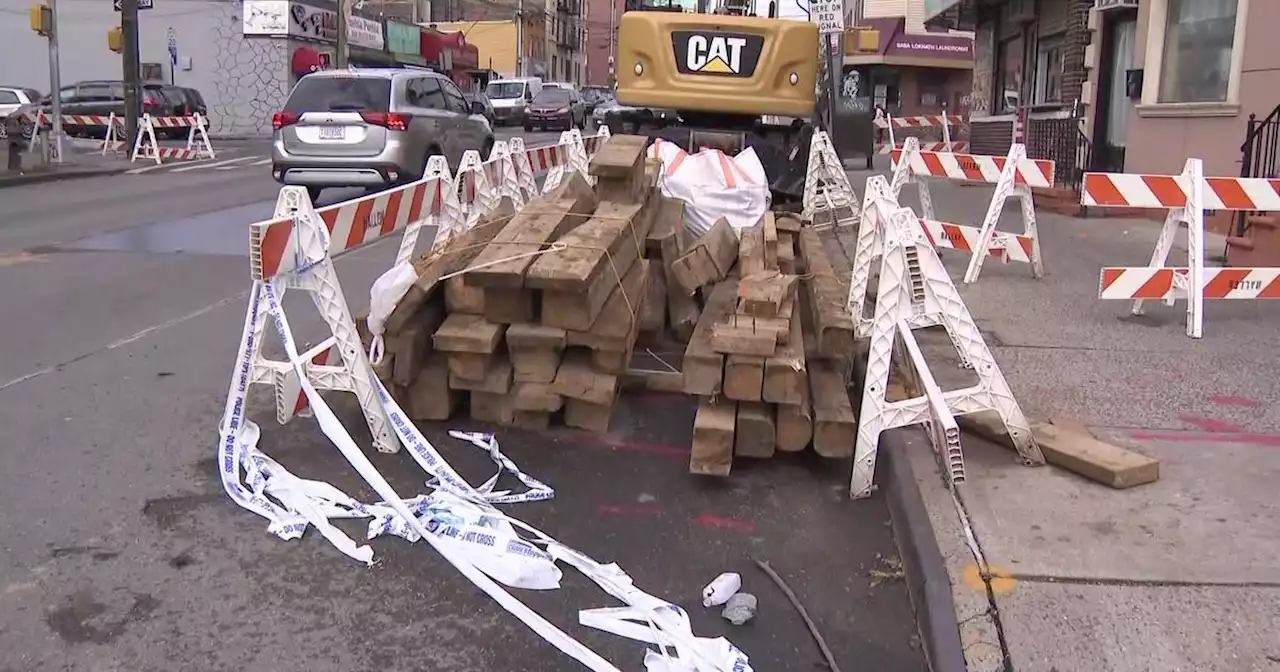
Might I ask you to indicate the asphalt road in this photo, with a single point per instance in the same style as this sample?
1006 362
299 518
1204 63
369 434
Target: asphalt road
119 550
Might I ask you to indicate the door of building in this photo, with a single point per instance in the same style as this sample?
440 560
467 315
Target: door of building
1116 103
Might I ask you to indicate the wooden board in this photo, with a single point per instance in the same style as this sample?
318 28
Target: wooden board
455 255
586 415
769 232
577 379
743 377
787 223
709 259
535 352
468 333
835 426
619 157
430 397
794 426
506 305
412 344
535 397
741 335
751 250
497 379
494 408
617 326
763 294
711 451
504 260
460 297
653 312
704 367
786 377
828 301
754 431
610 240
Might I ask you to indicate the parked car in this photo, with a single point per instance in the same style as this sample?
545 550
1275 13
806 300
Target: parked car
478 96
12 99
592 96
173 101
555 107
372 128
99 97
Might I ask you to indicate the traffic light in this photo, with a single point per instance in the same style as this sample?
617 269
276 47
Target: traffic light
115 39
41 19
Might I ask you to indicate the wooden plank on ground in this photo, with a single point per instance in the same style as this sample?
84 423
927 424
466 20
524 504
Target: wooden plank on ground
430 397
412 344
712 447
754 432
653 313
795 426
619 157
770 234
835 426
468 333
743 377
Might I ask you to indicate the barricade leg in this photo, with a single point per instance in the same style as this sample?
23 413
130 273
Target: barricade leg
524 170
1006 186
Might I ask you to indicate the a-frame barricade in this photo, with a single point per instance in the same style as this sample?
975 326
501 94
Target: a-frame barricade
1186 196
1013 175
913 284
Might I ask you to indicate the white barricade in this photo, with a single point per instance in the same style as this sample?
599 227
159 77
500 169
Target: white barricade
1013 176
826 184
116 139
945 122
294 250
1186 197
914 291
147 147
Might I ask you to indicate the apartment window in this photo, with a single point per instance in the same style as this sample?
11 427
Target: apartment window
1199 37
1049 70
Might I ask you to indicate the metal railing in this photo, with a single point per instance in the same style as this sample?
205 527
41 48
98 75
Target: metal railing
1063 141
1259 154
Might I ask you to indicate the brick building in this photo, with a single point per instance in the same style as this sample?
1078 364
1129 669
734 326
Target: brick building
600 42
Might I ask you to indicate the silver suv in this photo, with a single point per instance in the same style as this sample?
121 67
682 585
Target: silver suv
372 128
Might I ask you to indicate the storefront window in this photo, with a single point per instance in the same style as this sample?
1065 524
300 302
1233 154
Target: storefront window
933 89
1008 76
1198 39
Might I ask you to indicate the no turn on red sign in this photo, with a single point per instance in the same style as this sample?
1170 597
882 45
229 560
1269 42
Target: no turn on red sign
829 15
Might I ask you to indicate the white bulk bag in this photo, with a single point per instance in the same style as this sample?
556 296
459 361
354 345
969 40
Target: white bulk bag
714 185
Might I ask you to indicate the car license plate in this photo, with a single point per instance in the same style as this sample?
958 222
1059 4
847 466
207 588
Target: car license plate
332 132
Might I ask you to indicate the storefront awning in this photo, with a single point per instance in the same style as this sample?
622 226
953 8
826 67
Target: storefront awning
885 42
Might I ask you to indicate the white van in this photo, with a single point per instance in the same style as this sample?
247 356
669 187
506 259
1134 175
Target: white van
510 97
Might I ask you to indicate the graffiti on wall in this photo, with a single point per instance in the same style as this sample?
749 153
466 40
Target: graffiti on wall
250 79
984 62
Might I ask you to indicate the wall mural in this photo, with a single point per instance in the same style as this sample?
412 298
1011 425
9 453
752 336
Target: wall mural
983 66
250 77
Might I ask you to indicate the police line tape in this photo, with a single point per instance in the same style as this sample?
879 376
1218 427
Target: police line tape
459 521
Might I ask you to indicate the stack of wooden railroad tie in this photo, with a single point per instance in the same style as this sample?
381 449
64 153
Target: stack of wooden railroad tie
536 315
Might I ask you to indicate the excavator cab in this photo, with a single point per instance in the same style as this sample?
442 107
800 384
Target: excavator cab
729 77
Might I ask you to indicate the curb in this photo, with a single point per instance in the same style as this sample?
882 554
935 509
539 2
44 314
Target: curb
56 176
928 583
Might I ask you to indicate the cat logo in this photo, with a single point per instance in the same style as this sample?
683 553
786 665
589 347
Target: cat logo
716 54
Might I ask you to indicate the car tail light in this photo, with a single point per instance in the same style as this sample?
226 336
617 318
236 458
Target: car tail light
392 120
148 102
281 119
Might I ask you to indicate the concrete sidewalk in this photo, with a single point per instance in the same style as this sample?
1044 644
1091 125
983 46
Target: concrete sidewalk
1180 574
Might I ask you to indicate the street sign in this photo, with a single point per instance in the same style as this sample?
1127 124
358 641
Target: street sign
828 14
142 4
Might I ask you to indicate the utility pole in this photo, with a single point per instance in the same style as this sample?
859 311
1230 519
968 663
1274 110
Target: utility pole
519 43
55 82
341 57
613 40
132 76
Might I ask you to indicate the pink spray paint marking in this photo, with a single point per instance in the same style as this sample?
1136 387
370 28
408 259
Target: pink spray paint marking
1210 424
724 523
1234 400
628 509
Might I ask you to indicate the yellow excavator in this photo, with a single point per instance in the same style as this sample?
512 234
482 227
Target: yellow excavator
734 80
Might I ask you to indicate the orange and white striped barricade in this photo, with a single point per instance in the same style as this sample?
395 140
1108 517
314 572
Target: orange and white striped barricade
942 121
915 291
1013 175
826 185
349 224
1186 196
115 139
147 147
